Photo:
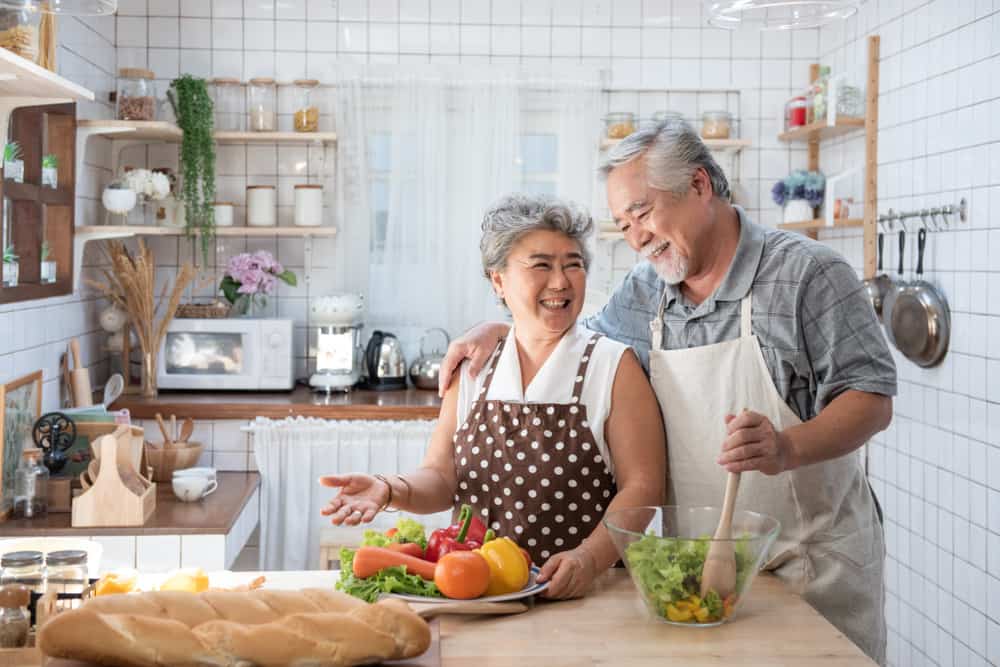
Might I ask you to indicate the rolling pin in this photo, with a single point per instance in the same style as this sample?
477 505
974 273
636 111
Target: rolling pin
83 396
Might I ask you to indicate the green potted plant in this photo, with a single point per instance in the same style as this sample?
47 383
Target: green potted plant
10 267
48 265
13 165
50 171
193 108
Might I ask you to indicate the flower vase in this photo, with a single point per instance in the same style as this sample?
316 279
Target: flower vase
249 305
149 388
48 271
10 273
797 210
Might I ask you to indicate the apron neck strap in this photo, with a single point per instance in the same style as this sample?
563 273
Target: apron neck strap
745 319
656 324
492 367
581 372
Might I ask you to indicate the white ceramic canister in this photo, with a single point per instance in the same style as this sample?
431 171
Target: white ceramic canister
308 205
262 210
223 213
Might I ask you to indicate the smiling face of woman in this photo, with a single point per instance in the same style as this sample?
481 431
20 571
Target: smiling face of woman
543 282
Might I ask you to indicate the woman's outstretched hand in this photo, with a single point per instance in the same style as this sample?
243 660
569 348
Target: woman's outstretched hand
360 498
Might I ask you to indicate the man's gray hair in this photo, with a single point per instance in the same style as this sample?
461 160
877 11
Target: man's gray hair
673 152
515 215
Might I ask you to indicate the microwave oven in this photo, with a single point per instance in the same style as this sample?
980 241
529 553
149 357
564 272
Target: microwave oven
238 353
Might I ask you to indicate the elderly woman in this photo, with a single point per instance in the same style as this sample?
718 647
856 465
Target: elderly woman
562 428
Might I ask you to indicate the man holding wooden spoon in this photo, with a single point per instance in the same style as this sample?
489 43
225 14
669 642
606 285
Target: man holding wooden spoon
725 315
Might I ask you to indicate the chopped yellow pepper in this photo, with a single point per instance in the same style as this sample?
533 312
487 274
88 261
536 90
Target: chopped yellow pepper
678 615
508 568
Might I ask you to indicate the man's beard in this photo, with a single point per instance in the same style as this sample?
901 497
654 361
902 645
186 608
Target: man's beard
670 265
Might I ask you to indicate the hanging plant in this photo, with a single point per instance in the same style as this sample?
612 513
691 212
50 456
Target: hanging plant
192 105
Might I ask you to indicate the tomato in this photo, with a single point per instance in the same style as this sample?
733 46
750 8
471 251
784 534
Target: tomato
462 575
391 532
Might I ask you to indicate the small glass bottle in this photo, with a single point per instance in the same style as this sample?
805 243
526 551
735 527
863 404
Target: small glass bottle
14 619
66 573
228 105
20 22
262 94
31 486
136 94
24 567
306 111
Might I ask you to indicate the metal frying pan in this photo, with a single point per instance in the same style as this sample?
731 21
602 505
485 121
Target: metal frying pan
878 287
921 322
897 286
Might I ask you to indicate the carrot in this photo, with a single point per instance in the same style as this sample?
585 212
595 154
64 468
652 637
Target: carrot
409 548
371 560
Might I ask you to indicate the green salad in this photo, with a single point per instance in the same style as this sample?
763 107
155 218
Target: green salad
389 580
668 574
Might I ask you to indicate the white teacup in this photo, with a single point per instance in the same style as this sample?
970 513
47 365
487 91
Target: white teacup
208 473
190 488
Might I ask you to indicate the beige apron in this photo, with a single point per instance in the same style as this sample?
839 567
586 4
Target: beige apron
830 548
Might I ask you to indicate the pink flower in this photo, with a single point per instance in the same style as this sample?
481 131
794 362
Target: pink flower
256 273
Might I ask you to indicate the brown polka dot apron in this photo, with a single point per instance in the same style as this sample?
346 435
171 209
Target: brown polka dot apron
533 471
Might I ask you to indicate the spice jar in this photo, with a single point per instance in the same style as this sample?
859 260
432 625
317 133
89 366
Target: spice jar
306 111
262 208
308 205
262 93
619 125
228 101
796 112
136 94
66 573
223 213
31 486
19 27
716 124
14 619
23 567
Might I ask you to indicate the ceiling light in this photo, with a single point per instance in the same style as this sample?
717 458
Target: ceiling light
777 14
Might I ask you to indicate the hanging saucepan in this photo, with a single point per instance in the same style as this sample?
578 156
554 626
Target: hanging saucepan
895 288
921 323
877 287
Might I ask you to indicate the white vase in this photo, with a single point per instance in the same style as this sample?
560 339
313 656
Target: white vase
797 210
118 200
48 268
50 177
10 273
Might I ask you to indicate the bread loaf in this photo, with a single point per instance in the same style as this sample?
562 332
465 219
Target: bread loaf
261 627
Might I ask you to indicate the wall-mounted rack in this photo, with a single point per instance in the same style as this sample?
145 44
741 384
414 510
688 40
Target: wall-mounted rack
960 209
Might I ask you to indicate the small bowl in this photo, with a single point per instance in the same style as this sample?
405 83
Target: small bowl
664 549
165 460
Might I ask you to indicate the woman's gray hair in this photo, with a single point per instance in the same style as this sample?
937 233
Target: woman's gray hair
515 215
673 152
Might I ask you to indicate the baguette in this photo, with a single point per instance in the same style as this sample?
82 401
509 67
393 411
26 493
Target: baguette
261 627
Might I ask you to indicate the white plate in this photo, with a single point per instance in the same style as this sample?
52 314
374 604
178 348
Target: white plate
531 588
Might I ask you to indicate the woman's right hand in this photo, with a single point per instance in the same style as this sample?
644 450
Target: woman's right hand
360 498
476 345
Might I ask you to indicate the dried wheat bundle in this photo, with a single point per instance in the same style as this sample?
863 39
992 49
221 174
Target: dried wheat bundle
130 284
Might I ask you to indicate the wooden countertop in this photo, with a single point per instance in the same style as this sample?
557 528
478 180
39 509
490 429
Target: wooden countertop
300 402
213 515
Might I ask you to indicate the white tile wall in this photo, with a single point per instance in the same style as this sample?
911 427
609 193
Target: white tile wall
937 468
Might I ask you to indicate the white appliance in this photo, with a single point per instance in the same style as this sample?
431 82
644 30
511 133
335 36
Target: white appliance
338 319
236 353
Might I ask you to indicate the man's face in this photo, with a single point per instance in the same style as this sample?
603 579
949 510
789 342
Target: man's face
665 228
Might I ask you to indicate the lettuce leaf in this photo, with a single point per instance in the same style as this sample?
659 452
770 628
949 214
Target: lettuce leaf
407 530
389 580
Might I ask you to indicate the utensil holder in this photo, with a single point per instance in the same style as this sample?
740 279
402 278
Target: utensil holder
109 502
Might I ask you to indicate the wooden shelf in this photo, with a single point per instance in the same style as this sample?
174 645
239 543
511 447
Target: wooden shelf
820 130
24 79
714 145
820 224
156 130
122 231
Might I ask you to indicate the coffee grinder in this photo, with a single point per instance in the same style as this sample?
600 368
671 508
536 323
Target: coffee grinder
338 319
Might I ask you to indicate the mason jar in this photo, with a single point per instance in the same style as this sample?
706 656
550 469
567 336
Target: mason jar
24 567
15 622
66 573
20 22
306 109
228 101
136 98
619 124
716 124
261 96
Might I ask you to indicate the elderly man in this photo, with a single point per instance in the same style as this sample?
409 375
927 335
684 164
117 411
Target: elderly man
766 359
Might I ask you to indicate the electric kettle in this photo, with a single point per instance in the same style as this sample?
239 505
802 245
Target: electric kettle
385 366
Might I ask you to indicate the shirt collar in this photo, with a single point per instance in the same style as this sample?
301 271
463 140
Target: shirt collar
742 270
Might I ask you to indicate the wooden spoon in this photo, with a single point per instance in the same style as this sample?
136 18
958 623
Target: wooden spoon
163 429
173 428
186 430
719 573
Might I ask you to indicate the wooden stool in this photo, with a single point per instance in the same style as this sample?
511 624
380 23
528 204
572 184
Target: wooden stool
333 538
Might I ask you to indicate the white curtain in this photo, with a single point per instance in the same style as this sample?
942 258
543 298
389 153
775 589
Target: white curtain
455 142
292 454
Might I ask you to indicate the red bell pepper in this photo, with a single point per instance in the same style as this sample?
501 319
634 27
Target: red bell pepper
465 535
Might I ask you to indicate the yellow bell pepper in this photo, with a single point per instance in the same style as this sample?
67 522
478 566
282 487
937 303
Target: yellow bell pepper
508 568
679 615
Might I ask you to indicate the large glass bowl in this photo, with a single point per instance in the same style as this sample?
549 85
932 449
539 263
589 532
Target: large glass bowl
664 549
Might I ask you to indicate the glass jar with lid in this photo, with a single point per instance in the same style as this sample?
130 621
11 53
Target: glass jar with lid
261 96
136 94
228 100
664 116
14 619
31 486
716 125
20 22
619 124
66 574
24 567
306 109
